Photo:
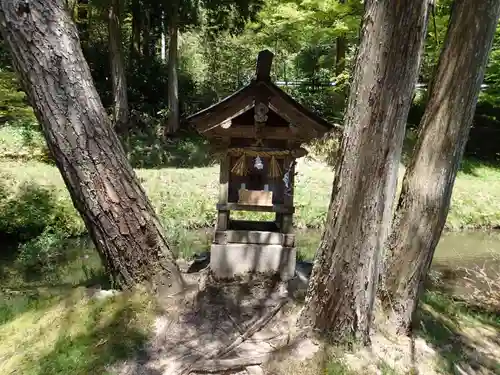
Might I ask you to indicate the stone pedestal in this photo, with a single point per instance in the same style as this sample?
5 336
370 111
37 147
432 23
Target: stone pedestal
234 259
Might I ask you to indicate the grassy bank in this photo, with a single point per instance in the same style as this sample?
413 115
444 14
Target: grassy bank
34 196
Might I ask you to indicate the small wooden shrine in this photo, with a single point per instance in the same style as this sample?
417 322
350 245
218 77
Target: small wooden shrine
258 132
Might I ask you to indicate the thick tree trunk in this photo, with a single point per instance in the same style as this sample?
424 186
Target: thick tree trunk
135 45
173 82
343 283
118 77
103 186
427 186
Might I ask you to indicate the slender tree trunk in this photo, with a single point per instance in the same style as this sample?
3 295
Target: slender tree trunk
118 76
135 44
104 188
342 290
173 82
83 25
163 54
70 8
427 186
340 56
146 33
341 51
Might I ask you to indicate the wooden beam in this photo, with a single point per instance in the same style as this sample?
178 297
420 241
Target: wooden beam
264 62
247 207
248 131
254 237
306 126
226 110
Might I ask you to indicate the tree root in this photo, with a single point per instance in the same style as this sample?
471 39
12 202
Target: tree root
210 364
219 365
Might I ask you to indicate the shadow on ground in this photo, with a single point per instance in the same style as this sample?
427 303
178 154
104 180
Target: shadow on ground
465 335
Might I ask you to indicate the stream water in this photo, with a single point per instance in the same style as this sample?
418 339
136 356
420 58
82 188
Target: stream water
455 249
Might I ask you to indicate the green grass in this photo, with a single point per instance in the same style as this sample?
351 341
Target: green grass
70 333
458 331
185 198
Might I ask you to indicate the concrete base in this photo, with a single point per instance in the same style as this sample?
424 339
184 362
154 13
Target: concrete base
230 260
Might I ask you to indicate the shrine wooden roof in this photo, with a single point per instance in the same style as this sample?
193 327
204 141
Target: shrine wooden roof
231 117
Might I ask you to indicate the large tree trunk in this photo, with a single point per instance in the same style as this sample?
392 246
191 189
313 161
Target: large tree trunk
173 82
104 188
427 186
343 283
118 77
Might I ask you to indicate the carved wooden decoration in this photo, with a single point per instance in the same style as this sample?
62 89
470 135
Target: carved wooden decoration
261 110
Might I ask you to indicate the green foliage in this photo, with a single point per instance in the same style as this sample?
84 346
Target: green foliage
492 75
27 209
43 252
147 148
436 32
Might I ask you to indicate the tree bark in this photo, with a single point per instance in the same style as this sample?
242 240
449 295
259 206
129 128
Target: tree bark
342 289
118 76
173 82
428 183
104 188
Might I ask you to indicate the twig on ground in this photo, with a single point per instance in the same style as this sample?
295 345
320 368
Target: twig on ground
208 363
218 365
258 325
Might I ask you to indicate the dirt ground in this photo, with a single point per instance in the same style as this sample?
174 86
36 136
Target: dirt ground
247 327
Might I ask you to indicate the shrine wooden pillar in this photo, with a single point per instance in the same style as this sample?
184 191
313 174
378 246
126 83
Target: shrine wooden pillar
223 215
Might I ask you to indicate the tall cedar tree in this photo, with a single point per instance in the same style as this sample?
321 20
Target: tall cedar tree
428 183
104 188
343 284
118 75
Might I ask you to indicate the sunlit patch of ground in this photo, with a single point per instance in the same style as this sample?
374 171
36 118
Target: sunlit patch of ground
72 333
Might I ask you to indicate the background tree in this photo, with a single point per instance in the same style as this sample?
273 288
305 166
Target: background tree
428 183
173 82
102 184
118 75
342 289
219 16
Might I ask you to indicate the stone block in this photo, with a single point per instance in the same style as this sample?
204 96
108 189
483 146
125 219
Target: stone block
230 260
